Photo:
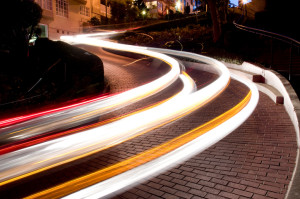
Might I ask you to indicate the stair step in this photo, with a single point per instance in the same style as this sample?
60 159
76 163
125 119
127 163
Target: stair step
269 90
252 76
272 92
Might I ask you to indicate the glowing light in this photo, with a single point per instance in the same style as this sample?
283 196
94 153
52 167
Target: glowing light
246 1
25 162
86 143
10 121
178 5
77 114
192 143
157 159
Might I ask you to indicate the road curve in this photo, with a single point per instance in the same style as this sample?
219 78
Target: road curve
77 145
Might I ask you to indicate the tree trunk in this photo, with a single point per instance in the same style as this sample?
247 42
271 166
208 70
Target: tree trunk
217 31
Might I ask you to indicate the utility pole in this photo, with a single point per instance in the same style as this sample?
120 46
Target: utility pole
106 19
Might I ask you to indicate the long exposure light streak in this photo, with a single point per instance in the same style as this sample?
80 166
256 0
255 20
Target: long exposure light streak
55 150
187 89
34 159
166 155
189 86
156 160
10 121
62 150
82 113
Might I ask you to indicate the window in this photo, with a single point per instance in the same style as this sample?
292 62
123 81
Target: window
62 8
44 30
45 4
84 10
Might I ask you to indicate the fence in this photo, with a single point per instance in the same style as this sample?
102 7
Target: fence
281 53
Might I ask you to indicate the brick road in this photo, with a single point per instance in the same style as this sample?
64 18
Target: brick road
254 161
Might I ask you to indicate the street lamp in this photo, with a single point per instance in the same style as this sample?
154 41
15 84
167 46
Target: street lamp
244 5
144 13
178 5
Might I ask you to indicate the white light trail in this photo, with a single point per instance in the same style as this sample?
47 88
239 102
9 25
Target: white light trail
79 115
39 152
114 185
55 152
65 149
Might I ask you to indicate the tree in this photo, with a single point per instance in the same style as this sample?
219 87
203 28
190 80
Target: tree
187 9
123 11
18 22
94 21
118 10
218 10
140 4
132 13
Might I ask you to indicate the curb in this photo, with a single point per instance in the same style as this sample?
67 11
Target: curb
292 106
272 78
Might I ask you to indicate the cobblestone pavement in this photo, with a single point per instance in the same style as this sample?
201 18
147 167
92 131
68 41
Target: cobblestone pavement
254 161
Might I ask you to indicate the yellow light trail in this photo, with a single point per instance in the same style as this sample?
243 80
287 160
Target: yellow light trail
16 166
187 81
41 125
142 158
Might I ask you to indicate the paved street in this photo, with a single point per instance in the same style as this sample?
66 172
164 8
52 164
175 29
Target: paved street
254 161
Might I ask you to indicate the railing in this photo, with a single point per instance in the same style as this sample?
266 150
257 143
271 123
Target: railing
292 43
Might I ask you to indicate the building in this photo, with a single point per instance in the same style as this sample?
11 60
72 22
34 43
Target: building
160 8
67 17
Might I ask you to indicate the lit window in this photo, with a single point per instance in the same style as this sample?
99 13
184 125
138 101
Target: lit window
84 10
45 4
62 8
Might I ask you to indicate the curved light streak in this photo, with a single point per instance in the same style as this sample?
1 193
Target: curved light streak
156 160
82 113
17 164
14 120
10 121
188 87
28 161
188 150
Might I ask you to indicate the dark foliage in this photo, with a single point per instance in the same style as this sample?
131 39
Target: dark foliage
17 18
55 72
187 9
280 17
94 21
45 72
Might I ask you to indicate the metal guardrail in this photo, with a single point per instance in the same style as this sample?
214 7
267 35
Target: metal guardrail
285 39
